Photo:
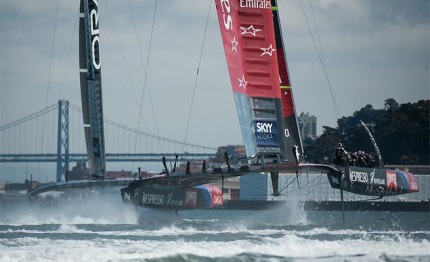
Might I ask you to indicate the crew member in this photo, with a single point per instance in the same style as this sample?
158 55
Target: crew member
341 155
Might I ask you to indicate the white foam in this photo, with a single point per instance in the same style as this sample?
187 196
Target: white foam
96 210
212 234
289 245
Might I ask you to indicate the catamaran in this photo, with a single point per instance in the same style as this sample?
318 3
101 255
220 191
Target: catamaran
254 50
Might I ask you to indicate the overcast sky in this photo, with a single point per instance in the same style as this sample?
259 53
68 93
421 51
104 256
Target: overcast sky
373 50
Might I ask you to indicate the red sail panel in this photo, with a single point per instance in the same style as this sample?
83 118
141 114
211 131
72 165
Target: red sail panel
292 133
250 47
286 90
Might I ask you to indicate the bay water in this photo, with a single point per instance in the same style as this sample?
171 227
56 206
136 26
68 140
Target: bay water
105 229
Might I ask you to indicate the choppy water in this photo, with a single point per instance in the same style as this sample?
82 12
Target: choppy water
105 230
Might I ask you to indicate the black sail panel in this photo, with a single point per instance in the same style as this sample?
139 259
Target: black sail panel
91 86
291 142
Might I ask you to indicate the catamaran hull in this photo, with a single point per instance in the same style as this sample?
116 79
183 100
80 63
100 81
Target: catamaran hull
173 197
373 181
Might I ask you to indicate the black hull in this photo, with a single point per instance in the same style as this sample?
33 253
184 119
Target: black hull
372 181
251 205
171 197
423 206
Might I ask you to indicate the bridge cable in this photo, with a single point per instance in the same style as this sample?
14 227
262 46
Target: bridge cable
29 117
197 75
136 131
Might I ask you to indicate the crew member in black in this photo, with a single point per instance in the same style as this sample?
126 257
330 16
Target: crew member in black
341 156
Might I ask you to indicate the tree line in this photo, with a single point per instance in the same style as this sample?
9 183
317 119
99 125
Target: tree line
401 132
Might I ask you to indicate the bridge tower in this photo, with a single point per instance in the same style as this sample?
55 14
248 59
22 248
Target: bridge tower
62 138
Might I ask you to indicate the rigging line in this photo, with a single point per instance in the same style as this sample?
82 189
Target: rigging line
68 55
335 107
300 188
318 36
49 79
319 182
197 75
124 61
323 62
145 81
259 191
286 186
122 53
320 177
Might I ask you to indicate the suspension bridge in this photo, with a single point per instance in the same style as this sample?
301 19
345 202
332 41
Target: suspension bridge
55 134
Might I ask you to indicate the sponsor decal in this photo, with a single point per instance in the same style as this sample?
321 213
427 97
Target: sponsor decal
413 186
172 201
264 127
216 195
378 190
95 40
191 198
358 176
375 180
152 199
127 196
335 180
266 133
261 4
217 200
264 136
391 180
226 17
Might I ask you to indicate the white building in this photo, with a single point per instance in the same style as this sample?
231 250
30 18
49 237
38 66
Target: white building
307 125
